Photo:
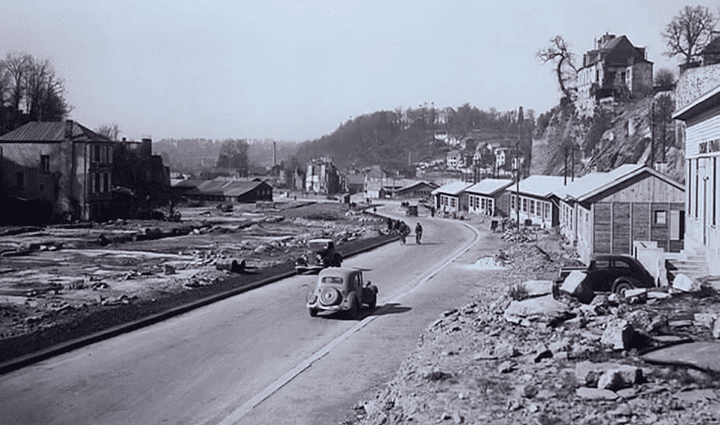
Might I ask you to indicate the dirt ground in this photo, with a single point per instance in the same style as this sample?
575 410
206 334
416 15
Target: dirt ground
475 366
58 282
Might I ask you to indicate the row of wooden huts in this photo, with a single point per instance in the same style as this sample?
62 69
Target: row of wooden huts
599 213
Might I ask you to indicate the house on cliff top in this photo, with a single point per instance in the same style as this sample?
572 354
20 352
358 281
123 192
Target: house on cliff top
615 67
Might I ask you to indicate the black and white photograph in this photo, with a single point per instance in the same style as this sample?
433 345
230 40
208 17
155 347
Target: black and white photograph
359 212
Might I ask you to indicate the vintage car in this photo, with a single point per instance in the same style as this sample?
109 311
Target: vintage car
611 273
341 290
321 254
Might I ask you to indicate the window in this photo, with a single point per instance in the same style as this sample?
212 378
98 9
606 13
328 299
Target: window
660 217
45 162
714 194
524 204
532 207
602 264
620 264
106 182
20 181
96 182
452 202
489 208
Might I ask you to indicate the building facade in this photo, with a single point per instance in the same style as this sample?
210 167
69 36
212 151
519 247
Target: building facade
614 67
63 167
604 213
488 197
701 116
537 200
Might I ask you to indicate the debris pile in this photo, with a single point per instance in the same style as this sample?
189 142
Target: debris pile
546 358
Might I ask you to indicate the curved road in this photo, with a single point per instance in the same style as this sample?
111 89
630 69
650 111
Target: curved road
257 357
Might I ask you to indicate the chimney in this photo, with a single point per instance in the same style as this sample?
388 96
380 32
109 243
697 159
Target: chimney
146 149
68 129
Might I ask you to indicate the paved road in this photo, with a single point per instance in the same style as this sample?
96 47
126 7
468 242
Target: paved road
258 357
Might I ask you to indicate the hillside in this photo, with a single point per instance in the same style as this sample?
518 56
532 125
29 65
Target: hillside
397 139
617 134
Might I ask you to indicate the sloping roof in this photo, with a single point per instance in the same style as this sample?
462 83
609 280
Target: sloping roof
489 187
454 188
541 186
186 183
595 183
416 184
44 131
222 187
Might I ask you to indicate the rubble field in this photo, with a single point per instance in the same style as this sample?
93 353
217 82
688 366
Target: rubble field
64 281
521 352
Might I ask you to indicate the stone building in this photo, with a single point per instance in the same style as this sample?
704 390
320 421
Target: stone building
615 67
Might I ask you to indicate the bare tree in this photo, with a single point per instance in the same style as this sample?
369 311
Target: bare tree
664 77
16 66
111 131
689 32
566 72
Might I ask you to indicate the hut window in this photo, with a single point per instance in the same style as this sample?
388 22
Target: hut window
661 217
45 162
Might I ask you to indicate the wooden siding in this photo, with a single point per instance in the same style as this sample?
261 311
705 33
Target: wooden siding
620 228
700 129
602 228
644 188
640 221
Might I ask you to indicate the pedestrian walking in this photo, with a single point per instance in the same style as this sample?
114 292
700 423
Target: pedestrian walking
418 233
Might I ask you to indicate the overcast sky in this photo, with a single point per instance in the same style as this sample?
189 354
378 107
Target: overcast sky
295 70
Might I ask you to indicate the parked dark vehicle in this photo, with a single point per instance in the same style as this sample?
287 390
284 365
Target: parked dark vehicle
341 289
612 273
321 254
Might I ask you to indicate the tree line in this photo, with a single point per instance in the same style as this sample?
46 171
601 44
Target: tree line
30 90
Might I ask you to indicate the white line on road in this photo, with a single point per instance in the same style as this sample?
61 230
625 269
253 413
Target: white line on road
243 410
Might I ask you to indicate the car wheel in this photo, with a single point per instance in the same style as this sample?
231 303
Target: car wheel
313 312
373 302
352 312
622 286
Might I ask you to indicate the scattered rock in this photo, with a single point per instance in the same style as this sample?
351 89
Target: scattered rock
595 394
542 309
541 352
573 285
620 377
685 283
618 334
636 296
538 288
507 366
505 350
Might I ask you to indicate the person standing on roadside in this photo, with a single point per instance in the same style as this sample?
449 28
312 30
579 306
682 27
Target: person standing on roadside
418 233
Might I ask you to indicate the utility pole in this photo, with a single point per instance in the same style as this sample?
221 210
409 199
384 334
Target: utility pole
652 136
517 168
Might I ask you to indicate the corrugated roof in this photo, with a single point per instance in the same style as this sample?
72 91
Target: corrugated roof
454 188
43 131
541 186
221 187
489 187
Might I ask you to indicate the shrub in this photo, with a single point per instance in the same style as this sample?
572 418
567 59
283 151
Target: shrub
518 292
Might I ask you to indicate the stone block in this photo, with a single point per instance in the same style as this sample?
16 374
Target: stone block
618 334
573 285
538 288
686 283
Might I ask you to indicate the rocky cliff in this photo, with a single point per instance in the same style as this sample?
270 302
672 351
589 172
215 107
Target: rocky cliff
619 132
